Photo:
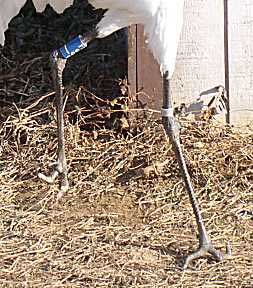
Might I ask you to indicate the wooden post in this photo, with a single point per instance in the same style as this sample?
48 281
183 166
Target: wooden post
144 73
132 61
226 58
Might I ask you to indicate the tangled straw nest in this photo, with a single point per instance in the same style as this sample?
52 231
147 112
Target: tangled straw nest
126 220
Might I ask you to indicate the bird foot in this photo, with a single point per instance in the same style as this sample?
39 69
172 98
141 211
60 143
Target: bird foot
64 184
49 179
204 251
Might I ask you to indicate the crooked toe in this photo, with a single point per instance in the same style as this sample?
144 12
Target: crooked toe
203 252
48 179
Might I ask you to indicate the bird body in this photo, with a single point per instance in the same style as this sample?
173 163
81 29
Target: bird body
162 20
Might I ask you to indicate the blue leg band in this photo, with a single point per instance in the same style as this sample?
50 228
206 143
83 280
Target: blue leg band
72 47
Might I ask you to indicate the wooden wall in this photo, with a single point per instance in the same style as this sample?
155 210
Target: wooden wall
241 60
201 57
200 60
144 73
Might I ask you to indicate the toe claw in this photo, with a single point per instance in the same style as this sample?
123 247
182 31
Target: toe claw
48 179
203 252
64 186
62 192
219 256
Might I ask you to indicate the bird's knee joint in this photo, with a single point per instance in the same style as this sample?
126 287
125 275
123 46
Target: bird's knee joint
61 168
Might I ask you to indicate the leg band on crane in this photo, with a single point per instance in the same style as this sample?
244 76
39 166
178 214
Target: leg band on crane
168 112
72 47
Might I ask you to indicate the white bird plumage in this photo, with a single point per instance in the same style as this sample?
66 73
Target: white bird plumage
162 20
10 8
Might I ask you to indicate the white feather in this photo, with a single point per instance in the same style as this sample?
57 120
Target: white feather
58 5
162 20
10 8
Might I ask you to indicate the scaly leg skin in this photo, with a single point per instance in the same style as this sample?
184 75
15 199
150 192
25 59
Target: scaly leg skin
58 62
173 131
58 65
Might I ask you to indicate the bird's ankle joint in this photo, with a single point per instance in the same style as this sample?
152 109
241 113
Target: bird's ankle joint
205 242
171 125
57 61
61 169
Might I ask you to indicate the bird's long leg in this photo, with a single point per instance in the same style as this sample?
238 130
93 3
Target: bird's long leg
172 129
58 62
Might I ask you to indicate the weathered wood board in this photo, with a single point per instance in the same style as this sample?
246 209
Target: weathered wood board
240 14
201 58
143 73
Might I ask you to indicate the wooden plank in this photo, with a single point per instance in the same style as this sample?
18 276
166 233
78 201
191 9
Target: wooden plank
143 73
149 81
241 61
200 59
226 57
204 59
132 61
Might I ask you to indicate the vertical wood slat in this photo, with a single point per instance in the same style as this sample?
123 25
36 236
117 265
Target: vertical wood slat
226 58
132 60
200 58
149 87
241 61
144 72
215 48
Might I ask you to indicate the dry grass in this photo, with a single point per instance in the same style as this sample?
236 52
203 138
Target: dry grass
126 220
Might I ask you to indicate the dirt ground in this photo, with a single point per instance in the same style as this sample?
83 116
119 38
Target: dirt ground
126 220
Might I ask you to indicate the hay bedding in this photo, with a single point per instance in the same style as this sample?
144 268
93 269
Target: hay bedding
126 220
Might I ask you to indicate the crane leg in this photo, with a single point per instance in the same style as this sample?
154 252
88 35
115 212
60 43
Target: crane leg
58 61
172 129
